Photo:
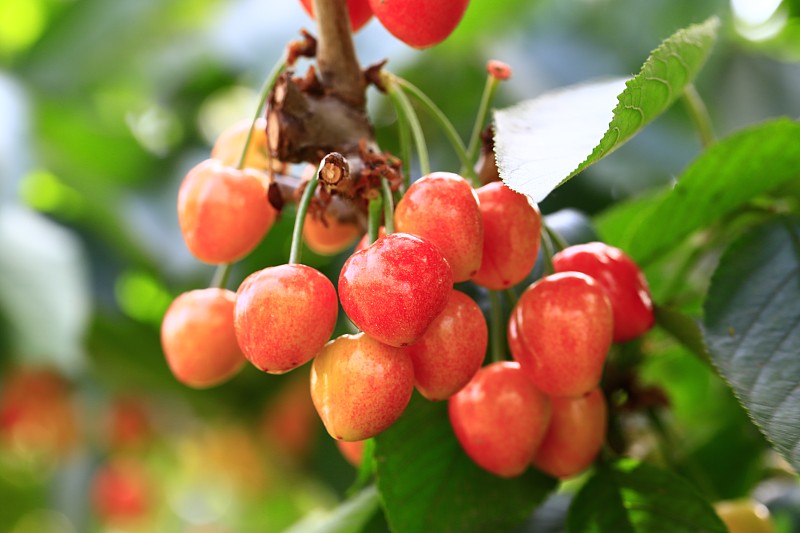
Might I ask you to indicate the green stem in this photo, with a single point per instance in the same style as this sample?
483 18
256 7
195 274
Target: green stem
388 206
547 248
450 131
698 112
483 110
269 83
299 220
511 296
405 111
497 330
221 275
374 218
557 240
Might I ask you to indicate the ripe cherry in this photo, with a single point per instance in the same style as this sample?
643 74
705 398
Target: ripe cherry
284 315
500 418
289 422
511 226
360 386
230 143
395 288
620 277
358 11
442 207
198 338
329 236
452 349
351 451
419 23
574 436
121 491
560 332
223 212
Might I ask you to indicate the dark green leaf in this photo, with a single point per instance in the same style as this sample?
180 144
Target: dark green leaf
752 329
427 483
725 177
542 143
629 497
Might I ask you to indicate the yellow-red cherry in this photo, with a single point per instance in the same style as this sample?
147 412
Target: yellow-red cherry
560 332
198 338
442 207
395 288
359 12
452 349
500 418
419 23
284 315
511 235
360 386
230 143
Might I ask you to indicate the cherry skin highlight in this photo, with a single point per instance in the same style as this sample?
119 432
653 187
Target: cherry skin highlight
360 386
620 277
442 207
574 436
395 288
223 212
198 338
419 23
500 418
562 333
358 11
284 315
452 349
511 226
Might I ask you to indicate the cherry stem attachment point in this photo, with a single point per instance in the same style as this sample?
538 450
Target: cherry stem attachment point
266 88
496 331
483 110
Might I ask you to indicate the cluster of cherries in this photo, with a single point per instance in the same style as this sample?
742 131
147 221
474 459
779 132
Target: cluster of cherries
417 23
543 408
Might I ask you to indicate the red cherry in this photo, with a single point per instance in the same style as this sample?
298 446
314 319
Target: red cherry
358 10
360 386
500 418
289 422
620 277
575 435
351 451
443 208
511 226
560 332
121 491
198 339
223 212
284 315
450 353
419 23
394 289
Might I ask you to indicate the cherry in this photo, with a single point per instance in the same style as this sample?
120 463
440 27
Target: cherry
419 23
560 332
500 418
284 315
360 386
443 208
289 421
351 451
574 436
121 491
223 212
359 12
620 277
452 349
395 288
129 424
364 242
198 339
511 225
329 236
230 143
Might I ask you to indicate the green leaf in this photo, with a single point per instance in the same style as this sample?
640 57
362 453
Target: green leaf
726 176
349 517
629 497
542 143
752 329
427 482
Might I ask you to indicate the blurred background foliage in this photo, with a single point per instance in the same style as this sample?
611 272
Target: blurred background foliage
104 106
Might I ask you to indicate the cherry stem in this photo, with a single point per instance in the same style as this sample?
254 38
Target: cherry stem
698 112
300 219
405 148
365 469
511 296
483 110
557 240
547 249
266 89
405 111
221 275
496 326
374 218
450 131
388 206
